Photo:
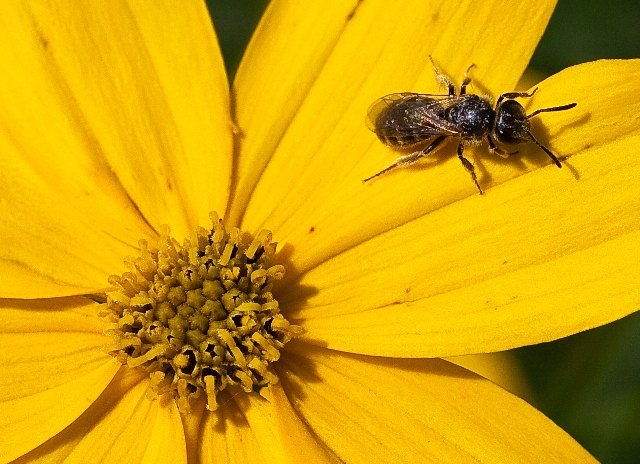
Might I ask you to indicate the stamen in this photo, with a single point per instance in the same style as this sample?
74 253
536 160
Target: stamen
199 317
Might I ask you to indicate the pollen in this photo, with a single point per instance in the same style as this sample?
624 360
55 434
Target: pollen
199 317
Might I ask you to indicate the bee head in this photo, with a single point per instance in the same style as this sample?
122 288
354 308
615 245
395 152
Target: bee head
511 124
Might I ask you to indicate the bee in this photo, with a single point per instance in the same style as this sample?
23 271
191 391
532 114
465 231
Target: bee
404 120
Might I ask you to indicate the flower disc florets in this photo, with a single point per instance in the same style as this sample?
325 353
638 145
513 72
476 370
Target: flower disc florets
200 317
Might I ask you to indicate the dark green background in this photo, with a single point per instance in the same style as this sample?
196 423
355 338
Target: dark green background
589 384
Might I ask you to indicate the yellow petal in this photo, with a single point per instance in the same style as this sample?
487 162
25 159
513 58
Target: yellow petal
54 315
390 410
287 50
62 238
135 89
228 438
258 431
502 368
191 423
185 54
282 436
260 417
551 255
545 255
608 107
61 201
123 425
391 200
311 189
167 441
299 443
52 369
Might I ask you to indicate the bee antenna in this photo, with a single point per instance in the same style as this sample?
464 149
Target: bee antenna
553 108
545 149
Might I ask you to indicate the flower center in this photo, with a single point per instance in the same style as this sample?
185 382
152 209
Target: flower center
200 317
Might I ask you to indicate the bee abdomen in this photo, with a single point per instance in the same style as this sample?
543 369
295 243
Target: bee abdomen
400 140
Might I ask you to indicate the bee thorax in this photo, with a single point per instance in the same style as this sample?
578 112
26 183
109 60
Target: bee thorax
473 116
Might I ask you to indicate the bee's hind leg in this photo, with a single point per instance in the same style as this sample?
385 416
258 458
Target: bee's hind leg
445 80
409 159
468 165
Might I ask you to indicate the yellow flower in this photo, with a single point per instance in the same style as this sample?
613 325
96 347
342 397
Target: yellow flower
117 119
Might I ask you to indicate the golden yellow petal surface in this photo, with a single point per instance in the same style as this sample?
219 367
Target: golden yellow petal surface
608 107
311 189
54 180
66 237
191 424
52 369
121 426
227 437
542 256
502 368
552 257
260 417
281 63
63 444
188 65
134 96
417 411
167 441
300 445
251 428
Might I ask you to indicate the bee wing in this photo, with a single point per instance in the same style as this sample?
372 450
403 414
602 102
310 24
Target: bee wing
428 106
382 104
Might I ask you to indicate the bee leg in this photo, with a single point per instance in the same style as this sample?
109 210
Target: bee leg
408 160
468 165
497 150
466 80
443 79
512 95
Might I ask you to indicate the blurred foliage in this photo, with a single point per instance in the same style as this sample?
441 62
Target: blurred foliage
234 22
589 384
588 30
